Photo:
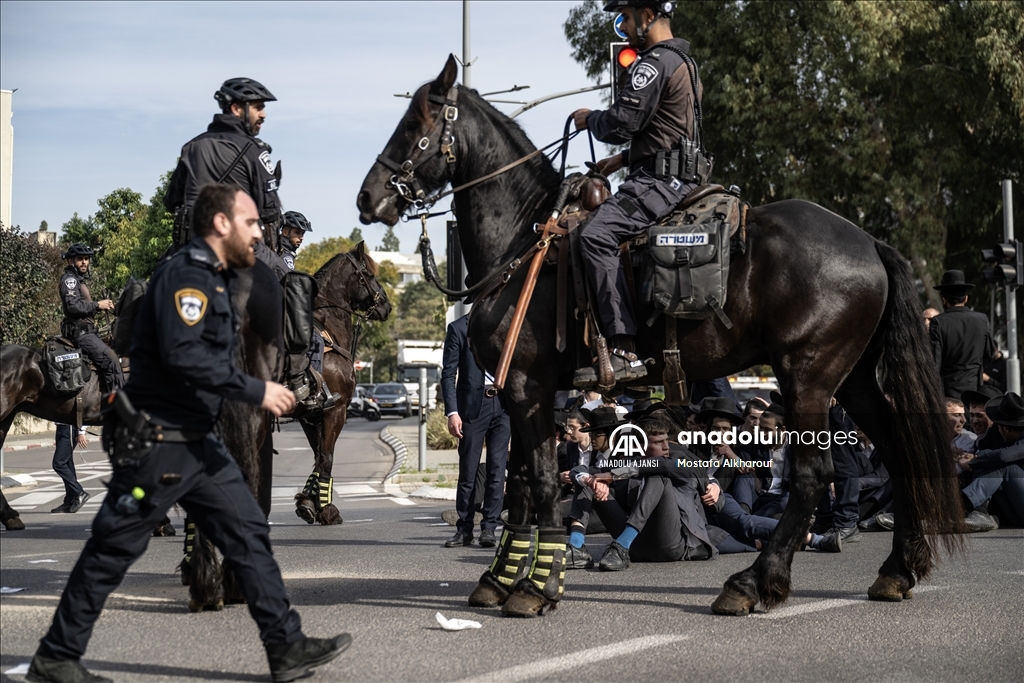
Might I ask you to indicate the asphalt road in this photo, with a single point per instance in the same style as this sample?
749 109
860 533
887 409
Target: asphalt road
383 575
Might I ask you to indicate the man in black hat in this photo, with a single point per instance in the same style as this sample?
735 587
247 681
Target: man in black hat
961 340
987 431
998 470
592 494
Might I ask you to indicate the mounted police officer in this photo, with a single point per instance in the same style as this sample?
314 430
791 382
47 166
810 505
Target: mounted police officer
657 112
164 450
229 151
292 233
79 324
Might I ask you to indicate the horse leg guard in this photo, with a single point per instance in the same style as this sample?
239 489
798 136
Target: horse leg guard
890 589
544 587
327 513
186 562
307 501
512 562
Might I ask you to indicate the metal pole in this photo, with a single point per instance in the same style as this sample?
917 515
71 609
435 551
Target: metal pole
423 419
1012 361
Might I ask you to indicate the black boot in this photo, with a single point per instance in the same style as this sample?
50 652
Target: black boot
512 562
625 365
289 661
46 670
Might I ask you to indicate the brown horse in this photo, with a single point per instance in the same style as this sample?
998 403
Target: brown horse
831 309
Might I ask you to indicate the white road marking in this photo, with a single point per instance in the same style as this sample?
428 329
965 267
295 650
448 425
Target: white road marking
402 501
567 662
821 605
33 499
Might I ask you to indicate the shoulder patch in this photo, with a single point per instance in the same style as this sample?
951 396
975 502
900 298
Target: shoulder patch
643 76
70 282
267 163
191 305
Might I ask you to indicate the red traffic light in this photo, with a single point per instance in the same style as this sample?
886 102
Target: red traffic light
626 57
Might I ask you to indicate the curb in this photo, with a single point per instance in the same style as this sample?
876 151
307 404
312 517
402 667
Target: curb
14 480
400 451
23 447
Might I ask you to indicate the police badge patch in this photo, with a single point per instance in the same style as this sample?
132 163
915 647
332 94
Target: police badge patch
267 163
70 283
191 305
643 76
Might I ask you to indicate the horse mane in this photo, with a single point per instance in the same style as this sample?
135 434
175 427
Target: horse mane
322 273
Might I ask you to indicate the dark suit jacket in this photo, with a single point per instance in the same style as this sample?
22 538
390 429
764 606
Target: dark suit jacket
466 393
962 343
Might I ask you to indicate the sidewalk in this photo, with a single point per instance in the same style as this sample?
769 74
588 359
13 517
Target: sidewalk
438 484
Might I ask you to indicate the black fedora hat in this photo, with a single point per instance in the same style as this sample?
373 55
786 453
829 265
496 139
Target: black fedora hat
643 408
953 280
720 406
1007 410
984 394
601 420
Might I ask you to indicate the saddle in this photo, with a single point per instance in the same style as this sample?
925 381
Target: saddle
678 267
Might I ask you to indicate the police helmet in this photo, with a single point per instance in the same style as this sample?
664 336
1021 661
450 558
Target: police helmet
78 249
294 219
242 90
664 8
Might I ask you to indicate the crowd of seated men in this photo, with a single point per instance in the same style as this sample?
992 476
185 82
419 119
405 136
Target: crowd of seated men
702 497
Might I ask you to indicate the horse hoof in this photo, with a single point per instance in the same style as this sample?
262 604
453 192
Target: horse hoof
889 589
733 603
305 512
488 593
196 606
526 601
329 515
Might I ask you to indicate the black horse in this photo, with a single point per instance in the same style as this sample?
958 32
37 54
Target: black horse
834 312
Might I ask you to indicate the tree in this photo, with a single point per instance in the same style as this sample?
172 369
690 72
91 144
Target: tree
420 312
30 308
356 236
900 116
78 231
312 256
390 241
43 226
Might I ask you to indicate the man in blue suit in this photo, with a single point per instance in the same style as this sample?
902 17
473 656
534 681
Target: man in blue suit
476 414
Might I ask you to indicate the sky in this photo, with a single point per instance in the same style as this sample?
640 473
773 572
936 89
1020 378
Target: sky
107 93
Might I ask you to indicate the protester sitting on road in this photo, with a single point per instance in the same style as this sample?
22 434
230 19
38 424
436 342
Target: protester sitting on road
577 453
875 489
590 493
987 431
963 440
998 472
752 412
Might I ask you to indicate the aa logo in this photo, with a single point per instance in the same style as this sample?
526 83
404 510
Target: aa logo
628 441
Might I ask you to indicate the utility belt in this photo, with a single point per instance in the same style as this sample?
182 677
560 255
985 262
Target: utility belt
73 329
685 162
129 434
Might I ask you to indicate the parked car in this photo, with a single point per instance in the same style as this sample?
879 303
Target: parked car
393 399
363 405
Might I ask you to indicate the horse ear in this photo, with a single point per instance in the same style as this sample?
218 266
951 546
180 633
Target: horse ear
360 248
446 79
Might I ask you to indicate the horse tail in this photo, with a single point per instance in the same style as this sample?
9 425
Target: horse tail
918 447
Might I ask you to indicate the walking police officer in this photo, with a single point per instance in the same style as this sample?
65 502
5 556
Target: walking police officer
164 450
656 110
79 324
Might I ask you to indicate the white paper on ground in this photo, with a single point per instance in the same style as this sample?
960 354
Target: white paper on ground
4 590
21 669
42 561
456 624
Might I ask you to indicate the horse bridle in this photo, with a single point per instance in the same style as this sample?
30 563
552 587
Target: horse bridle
403 180
364 278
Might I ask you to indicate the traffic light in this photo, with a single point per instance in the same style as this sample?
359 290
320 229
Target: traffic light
1007 264
623 57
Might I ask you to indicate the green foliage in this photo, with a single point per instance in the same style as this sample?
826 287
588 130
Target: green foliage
357 235
314 255
438 436
421 311
390 241
43 226
901 116
30 308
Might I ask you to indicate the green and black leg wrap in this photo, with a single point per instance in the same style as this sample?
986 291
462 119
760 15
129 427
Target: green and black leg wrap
545 585
190 544
325 491
307 503
513 561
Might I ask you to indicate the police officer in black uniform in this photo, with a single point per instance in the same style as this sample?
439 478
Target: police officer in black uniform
164 450
79 324
292 233
656 111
